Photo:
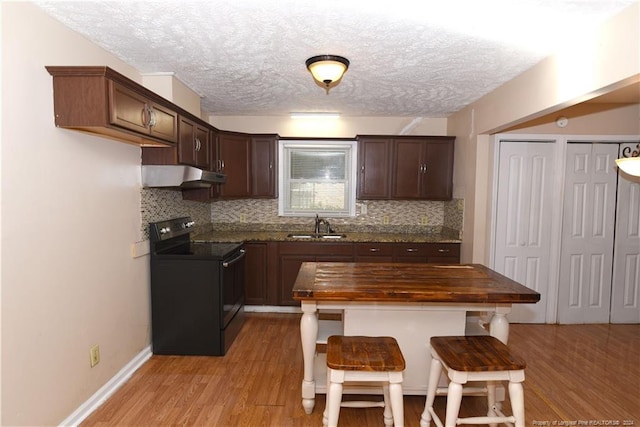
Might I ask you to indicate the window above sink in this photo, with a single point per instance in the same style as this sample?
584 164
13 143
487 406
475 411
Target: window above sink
317 177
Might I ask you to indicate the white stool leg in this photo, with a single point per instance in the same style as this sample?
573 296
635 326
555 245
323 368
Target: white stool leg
491 401
454 398
388 414
516 395
397 408
325 414
434 378
334 398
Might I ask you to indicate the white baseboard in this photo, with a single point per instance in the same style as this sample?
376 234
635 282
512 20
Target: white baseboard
100 396
271 309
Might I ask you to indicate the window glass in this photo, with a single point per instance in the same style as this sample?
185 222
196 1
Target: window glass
317 177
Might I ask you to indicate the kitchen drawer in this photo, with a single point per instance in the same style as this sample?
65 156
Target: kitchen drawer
374 249
414 250
315 248
427 252
443 249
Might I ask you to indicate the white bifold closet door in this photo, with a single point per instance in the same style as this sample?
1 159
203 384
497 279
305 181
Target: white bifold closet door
588 224
523 217
625 291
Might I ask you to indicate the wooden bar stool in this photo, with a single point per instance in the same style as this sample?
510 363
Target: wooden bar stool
474 358
364 359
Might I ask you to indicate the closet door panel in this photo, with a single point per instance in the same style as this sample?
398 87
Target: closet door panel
586 259
523 235
625 291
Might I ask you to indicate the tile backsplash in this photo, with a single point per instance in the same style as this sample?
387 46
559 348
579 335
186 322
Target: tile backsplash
421 216
159 205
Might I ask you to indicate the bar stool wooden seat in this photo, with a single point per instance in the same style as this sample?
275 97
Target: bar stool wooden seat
474 358
364 360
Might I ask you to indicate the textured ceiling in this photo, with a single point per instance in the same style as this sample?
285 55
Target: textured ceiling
417 58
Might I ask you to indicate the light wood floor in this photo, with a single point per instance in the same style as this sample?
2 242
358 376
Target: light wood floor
576 375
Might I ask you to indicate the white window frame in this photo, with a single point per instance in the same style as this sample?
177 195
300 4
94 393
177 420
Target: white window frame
350 148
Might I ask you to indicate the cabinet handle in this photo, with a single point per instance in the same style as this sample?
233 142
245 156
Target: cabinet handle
443 251
145 115
425 168
197 141
374 250
152 117
413 250
270 165
221 165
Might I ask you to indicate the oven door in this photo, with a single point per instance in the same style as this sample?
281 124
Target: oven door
232 285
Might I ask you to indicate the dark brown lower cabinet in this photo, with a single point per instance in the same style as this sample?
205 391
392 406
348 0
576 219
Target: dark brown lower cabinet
261 262
293 254
271 268
373 252
443 253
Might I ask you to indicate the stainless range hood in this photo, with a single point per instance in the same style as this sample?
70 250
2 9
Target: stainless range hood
179 176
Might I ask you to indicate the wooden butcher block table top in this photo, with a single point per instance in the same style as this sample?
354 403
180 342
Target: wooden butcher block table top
404 282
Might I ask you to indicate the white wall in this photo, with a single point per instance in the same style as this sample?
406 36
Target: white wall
70 211
606 59
343 127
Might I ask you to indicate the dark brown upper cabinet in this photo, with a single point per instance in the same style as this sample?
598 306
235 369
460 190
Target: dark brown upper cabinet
99 100
264 166
374 164
405 167
194 145
234 160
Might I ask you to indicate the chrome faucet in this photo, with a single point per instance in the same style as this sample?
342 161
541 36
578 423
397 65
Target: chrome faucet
325 223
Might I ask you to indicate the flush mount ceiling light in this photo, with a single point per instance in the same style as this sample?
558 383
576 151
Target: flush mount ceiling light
327 70
630 161
315 115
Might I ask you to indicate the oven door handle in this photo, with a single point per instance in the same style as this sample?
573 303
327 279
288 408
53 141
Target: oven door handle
234 260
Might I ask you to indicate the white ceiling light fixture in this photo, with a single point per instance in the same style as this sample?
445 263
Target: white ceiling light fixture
315 115
327 70
630 161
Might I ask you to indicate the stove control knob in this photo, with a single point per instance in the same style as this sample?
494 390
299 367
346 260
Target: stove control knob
165 230
189 224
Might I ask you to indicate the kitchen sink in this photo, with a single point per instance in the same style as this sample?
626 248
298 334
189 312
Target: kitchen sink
316 236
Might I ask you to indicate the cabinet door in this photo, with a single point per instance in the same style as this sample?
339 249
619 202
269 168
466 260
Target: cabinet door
128 109
264 167
289 268
133 111
293 254
374 168
407 168
186 142
234 154
164 123
203 147
255 290
193 144
437 170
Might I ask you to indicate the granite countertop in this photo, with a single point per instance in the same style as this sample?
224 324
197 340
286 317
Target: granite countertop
281 236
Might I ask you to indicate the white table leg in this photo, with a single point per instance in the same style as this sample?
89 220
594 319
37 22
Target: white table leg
309 335
499 324
499 328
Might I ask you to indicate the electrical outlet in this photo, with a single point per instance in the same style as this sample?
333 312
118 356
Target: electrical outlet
385 219
243 218
95 355
424 220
